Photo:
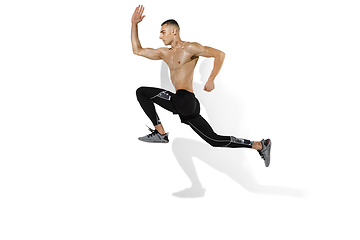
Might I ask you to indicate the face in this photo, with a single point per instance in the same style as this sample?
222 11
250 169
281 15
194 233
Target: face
166 34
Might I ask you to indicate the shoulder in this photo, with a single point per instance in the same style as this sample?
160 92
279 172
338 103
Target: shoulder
163 49
194 47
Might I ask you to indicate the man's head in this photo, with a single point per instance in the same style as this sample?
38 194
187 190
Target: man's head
169 30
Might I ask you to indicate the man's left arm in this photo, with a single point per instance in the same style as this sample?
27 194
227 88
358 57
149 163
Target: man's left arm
199 50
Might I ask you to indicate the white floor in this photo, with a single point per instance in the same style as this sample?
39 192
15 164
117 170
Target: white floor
71 166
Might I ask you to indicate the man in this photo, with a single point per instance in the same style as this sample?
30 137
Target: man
181 59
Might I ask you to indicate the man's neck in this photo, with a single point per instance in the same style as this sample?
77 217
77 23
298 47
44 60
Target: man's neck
176 43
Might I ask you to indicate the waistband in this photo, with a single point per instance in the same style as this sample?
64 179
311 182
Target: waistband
184 91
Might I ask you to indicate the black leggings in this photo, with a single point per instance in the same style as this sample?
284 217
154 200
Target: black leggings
185 104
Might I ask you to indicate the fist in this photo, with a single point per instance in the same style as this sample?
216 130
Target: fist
209 86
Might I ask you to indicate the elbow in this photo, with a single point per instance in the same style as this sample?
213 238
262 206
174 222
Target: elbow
222 55
137 51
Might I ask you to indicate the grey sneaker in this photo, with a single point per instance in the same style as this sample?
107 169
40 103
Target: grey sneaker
155 137
265 151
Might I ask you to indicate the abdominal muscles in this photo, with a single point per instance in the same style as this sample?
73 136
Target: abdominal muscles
182 79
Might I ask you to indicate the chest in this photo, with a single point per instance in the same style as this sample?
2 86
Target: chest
177 59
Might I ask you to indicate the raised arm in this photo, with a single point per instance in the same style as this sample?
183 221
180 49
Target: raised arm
150 53
199 50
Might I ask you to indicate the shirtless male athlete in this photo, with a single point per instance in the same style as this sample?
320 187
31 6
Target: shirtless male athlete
181 59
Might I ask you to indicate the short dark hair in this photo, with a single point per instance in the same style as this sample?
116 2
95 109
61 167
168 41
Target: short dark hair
171 22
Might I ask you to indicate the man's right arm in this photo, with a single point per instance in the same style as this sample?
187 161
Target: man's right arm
153 54
150 53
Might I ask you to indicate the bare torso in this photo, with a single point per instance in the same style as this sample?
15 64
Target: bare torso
181 64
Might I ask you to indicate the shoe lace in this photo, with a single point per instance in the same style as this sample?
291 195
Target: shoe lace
153 132
261 154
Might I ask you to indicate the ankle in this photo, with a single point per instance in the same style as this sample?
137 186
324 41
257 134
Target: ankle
257 145
160 129
162 132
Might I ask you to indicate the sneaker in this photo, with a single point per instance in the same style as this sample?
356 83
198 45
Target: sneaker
265 151
155 137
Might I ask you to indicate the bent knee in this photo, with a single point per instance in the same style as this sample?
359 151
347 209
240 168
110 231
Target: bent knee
215 143
139 91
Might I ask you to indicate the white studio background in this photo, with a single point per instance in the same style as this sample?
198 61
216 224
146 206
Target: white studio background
71 166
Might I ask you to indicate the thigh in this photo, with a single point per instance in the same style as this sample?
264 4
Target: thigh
159 96
149 92
163 99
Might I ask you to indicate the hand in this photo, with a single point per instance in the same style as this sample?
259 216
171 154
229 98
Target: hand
209 86
137 16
